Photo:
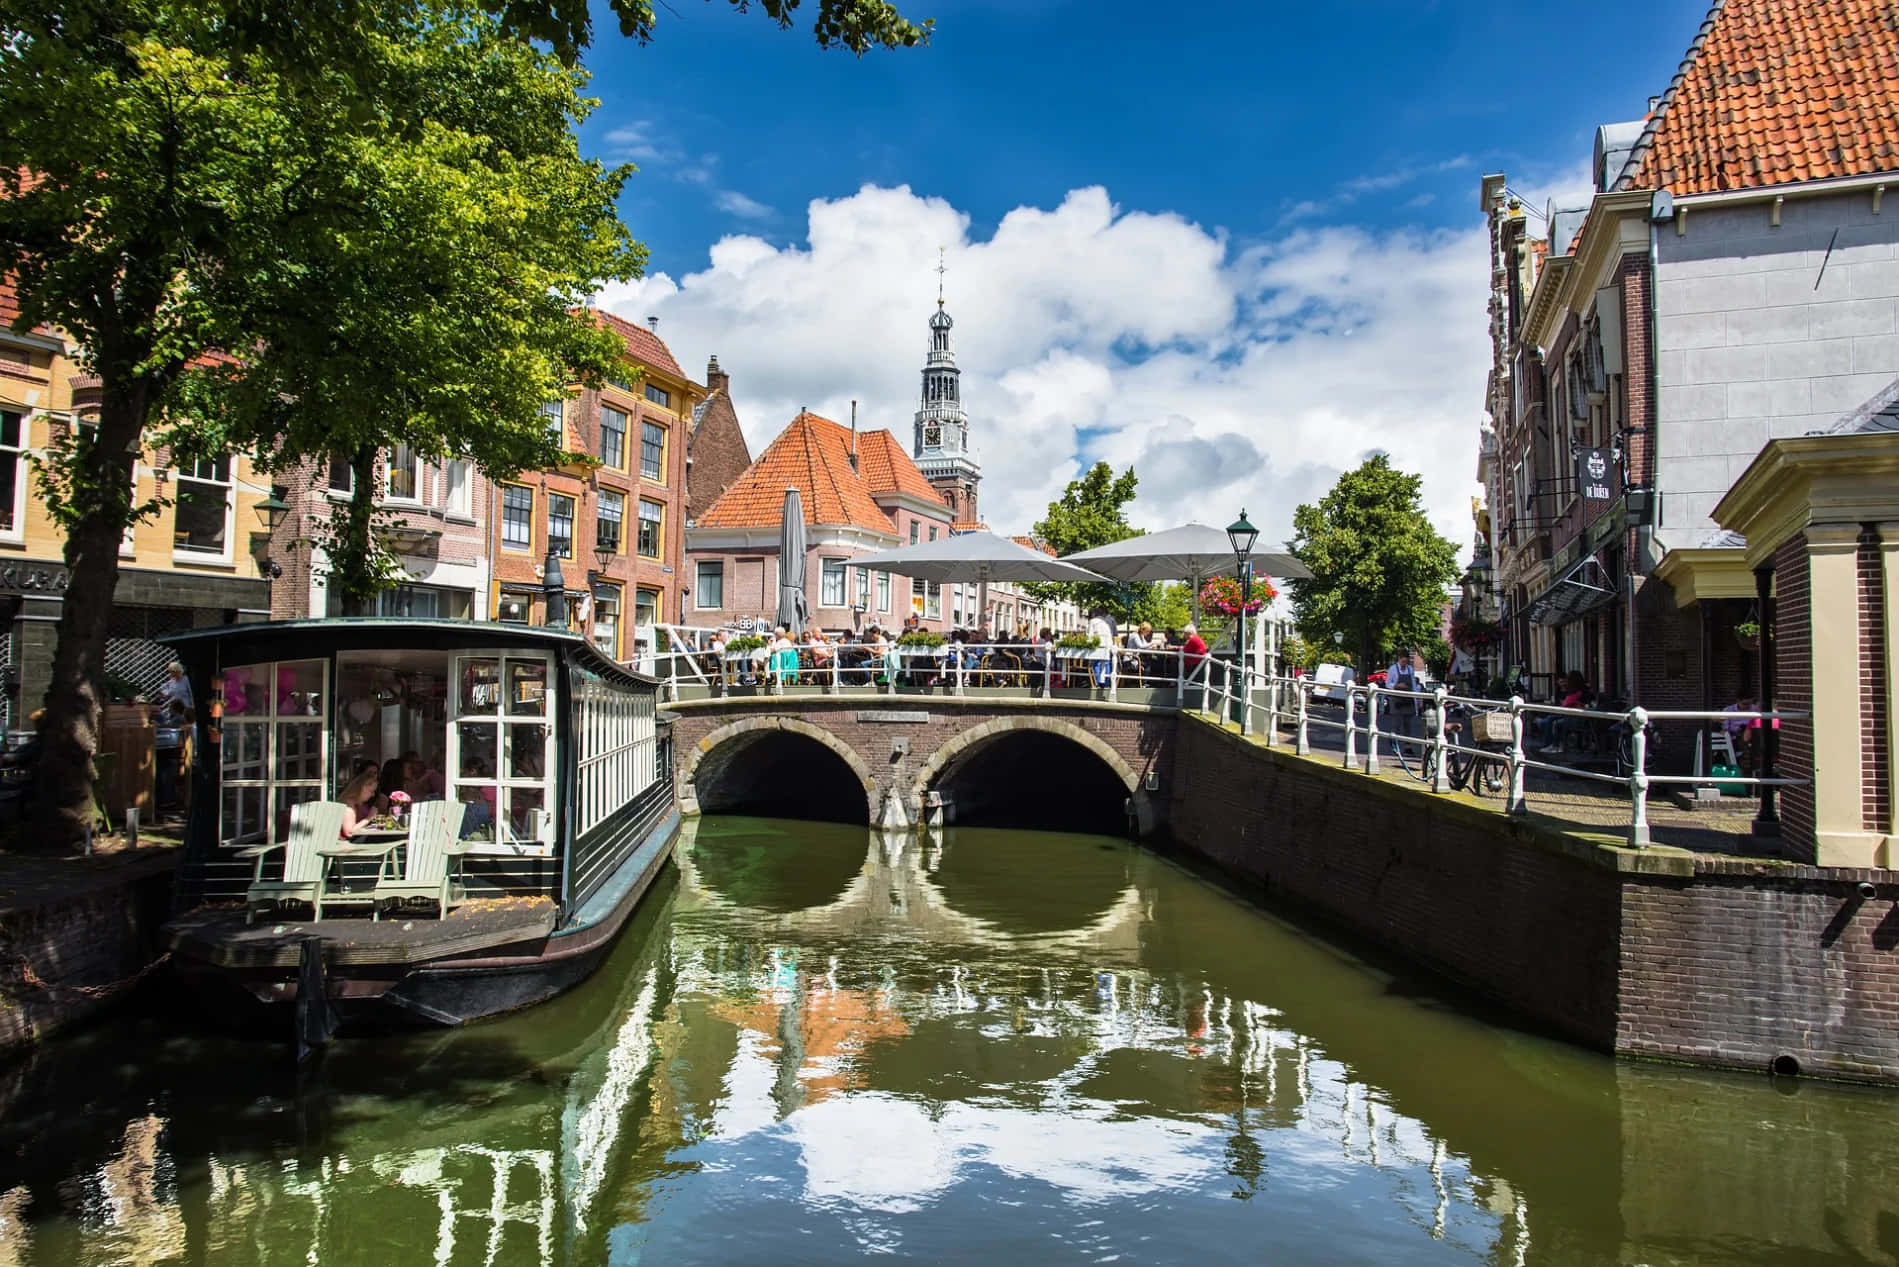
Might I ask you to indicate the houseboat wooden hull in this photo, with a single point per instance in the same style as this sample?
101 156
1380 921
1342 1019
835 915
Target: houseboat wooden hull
548 898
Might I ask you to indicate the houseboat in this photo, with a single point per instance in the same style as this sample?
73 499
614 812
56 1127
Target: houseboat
552 760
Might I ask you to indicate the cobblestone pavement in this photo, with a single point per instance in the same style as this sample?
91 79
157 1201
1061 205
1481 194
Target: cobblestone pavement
1722 827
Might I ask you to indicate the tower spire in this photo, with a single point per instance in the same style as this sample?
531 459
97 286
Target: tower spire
941 447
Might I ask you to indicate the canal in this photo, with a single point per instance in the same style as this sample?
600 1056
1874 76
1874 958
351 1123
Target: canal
996 1047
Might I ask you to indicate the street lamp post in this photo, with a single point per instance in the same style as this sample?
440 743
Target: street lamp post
1241 535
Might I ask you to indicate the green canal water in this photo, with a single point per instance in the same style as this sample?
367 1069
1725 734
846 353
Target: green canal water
993 1048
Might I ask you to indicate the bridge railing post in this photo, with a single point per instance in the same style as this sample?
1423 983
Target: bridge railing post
961 653
1206 685
1351 728
833 668
1371 727
892 659
1638 777
1048 670
1114 672
1441 774
1303 743
1272 710
1518 804
1180 678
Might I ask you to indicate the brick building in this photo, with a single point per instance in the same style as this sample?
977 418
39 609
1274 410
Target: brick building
192 564
860 493
716 453
614 515
437 525
1734 279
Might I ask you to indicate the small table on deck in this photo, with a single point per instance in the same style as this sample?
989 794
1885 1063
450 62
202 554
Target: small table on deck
368 842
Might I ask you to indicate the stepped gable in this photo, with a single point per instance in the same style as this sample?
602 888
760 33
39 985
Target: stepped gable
1777 91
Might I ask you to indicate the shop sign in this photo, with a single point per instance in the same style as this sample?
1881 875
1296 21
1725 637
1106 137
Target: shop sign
34 578
1592 475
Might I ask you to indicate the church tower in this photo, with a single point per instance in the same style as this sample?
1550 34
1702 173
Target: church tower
942 428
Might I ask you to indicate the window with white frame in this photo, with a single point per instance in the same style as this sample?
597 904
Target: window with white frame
455 496
863 588
933 600
618 747
612 437
273 752
708 586
609 515
202 518
560 525
501 750
405 475
342 476
652 451
831 583
883 592
651 516
13 479
915 529
517 517
606 618
554 418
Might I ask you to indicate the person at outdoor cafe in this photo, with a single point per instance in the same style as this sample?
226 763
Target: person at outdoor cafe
359 802
879 645
1193 648
783 655
1559 729
822 652
1100 656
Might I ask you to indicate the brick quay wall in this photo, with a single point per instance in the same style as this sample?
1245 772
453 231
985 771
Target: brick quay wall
1657 953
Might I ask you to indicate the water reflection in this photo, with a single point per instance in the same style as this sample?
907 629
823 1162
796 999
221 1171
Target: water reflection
899 1049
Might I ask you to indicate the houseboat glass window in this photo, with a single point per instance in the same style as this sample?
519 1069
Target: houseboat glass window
392 713
500 752
272 751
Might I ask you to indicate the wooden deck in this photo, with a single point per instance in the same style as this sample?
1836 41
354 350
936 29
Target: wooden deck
217 934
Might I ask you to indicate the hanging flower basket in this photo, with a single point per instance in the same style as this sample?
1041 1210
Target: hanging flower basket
1748 634
1221 594
1476 636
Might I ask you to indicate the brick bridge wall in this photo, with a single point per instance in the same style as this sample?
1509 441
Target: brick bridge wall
1718 961
899 745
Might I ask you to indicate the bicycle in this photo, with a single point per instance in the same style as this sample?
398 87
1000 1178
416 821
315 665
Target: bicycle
1479 764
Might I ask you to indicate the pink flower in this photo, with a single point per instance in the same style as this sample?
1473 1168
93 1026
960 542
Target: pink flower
398 797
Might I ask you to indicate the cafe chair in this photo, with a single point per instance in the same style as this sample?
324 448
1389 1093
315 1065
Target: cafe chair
311 824
435 849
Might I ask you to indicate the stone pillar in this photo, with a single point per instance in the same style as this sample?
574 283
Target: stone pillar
1832 616
1766 820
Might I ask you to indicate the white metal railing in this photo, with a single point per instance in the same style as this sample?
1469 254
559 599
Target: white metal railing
1434 745
958 668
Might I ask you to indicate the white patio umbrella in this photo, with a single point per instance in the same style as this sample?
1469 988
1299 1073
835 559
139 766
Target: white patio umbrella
981 557
974 556
1190 553
794 609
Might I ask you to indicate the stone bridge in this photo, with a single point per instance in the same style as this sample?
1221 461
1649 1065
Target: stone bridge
901 761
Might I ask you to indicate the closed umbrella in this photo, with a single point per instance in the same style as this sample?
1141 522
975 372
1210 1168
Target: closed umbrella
794 611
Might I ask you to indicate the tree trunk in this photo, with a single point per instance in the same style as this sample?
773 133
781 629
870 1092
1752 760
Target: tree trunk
352 569
69 732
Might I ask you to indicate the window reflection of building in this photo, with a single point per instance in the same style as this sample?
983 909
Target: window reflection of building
391 704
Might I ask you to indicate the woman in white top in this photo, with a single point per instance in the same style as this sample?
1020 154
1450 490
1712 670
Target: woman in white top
1099 656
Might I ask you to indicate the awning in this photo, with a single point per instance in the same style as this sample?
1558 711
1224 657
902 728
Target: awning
1579 591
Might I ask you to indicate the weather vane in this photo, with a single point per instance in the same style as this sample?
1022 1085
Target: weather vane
941 268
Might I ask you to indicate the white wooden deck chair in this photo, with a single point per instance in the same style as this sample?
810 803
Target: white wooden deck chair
312 823
435 845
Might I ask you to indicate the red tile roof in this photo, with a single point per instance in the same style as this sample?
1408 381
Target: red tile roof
812 454
1776 91
1033 544
888 469
641 343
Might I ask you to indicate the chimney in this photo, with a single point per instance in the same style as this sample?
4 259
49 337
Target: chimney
853 435
717 379
652 323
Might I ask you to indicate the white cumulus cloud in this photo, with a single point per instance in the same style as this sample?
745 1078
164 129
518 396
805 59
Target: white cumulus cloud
1228 376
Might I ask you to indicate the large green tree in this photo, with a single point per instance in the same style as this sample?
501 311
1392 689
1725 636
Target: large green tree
1092 511
383 220
1378 566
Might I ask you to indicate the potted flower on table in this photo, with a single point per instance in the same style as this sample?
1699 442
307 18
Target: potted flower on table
399 805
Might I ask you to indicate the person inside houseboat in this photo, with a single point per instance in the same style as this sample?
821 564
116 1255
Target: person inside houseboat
359 802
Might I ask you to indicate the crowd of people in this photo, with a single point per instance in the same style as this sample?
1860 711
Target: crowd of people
867 657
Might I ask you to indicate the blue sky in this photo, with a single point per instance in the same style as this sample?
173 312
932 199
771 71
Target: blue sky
1377 113
1281 200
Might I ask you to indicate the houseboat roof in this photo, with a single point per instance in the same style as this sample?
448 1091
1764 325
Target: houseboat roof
298 639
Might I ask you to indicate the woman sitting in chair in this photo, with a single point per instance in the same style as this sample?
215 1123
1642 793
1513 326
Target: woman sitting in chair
359 802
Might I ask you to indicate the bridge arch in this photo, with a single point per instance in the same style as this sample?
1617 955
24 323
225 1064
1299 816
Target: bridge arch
1002 730
710 765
